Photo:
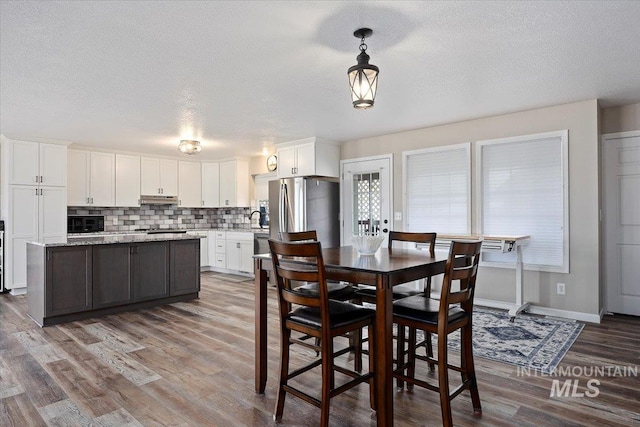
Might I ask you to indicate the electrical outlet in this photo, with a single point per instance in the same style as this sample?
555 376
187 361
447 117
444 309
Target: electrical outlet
560 288
397 216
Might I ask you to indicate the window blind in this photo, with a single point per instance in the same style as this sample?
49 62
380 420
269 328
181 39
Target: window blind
523 192
438 187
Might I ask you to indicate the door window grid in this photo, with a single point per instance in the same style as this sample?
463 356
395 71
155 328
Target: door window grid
367 206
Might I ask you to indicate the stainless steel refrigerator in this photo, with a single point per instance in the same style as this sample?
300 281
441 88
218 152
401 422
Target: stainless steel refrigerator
302 204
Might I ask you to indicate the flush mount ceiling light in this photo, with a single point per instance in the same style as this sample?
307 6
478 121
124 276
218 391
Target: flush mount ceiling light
363 77
189 146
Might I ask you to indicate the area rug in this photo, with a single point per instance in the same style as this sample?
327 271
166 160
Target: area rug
535 342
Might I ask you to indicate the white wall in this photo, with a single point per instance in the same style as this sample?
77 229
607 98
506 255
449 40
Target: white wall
582 287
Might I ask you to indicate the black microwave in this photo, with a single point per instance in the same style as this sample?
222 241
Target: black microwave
85 223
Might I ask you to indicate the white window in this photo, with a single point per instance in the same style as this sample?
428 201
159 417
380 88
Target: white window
437 186
522 190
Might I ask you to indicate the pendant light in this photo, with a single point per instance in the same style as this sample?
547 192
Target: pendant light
363 77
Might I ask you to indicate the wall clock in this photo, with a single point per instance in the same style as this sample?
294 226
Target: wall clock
272 162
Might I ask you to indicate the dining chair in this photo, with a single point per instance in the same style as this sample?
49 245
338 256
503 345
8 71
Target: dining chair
317 316
368 293
337 291
454 311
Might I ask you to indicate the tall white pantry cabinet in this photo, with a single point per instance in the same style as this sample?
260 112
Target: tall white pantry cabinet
34 202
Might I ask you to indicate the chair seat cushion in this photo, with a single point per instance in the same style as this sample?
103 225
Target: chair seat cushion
337 291
399 292
423 309
341 314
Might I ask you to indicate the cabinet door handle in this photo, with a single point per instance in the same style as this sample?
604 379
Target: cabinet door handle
92 200
238 245
161 190
36 191
41 178
87 200
41 191
36 178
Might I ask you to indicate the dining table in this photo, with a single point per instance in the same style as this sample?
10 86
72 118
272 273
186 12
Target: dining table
384 270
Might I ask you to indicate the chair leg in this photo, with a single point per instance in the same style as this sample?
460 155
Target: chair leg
356 341
411 359
443 381
429 349
469 367
328 381
400 354
372 380
285 343
427 336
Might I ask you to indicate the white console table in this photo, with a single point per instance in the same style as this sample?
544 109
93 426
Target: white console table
500 244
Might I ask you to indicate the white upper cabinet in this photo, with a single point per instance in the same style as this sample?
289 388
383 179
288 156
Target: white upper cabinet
127 180
91 178
35 163
210 185
189 184
158 177
102 181
308 157
234 183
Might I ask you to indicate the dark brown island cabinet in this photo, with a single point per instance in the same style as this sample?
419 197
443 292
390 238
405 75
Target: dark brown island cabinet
67 282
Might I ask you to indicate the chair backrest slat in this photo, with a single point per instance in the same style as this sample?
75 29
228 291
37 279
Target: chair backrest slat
426 238
299 236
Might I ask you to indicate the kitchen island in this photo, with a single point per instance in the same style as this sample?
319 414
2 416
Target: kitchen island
93 276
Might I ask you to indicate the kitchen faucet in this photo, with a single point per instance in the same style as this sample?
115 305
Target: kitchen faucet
259 221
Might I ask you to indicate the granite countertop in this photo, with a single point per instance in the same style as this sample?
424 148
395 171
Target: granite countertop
132 233
118 238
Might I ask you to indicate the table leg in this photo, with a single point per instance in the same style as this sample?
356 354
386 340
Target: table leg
260 326
384 352
520 306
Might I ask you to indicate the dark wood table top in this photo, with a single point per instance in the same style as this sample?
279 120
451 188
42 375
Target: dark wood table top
384 261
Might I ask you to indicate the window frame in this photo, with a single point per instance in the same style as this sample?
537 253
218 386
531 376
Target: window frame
564 166
405 155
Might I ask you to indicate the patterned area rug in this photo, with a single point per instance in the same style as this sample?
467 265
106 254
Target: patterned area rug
531 341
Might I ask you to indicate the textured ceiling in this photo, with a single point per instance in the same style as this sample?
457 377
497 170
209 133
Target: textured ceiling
139 76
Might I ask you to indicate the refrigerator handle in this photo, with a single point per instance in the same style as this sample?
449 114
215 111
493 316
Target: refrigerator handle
281 207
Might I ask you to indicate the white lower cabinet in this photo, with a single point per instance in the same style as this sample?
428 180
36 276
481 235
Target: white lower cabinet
231 251
35 214
239 251
220 248
204 247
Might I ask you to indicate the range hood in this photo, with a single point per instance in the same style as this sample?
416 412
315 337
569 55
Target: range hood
158 200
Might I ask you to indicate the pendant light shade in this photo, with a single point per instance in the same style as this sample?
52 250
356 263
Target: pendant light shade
363 77
189 146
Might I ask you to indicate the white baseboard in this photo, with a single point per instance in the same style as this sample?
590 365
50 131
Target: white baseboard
19 291
544 311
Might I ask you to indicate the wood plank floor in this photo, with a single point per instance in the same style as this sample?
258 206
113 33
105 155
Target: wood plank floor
191 364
